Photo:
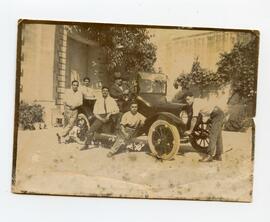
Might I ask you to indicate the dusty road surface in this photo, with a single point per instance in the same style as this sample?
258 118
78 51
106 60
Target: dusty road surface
46 167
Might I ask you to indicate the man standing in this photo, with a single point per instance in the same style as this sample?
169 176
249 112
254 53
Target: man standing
105 110
204 109
88 97
131 125
72 101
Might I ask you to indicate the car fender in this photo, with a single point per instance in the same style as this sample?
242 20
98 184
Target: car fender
171 118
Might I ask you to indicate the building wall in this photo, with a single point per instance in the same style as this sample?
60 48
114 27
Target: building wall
37 65
76 57
180 52
206 46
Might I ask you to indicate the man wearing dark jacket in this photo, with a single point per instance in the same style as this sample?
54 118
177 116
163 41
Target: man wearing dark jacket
117 89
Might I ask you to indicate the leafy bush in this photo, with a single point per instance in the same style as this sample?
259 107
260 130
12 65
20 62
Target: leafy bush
127 49
199 79
30 114
239 67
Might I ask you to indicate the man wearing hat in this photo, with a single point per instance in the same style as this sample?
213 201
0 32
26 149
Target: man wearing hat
117 89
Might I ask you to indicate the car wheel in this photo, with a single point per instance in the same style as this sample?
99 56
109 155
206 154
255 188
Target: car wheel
163 139
83 124
199 138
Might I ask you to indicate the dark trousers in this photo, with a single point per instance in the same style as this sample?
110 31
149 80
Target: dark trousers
97 125
87 107
215 133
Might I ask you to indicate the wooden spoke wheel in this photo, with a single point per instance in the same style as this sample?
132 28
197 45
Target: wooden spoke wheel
83 123
163 139
199 138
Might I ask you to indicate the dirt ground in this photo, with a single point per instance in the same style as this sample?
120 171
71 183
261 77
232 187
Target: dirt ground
46 167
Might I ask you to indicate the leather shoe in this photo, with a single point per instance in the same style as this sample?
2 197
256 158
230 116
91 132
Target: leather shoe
217 158
85 147
110 154
206 159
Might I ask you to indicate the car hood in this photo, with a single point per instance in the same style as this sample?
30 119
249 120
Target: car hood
160 103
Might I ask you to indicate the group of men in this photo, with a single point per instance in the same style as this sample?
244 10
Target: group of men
115 105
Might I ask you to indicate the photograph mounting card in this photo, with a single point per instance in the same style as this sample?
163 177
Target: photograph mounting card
135 111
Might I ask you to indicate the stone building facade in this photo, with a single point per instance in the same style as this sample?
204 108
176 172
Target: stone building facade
207 46
52 56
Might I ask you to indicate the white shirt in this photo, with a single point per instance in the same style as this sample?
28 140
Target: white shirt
88 93
105 106
203 106
131 120
72 98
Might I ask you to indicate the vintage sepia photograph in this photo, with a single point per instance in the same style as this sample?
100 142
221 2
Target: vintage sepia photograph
135 111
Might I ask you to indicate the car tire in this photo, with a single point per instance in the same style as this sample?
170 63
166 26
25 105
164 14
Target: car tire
163 139
199 139
82 135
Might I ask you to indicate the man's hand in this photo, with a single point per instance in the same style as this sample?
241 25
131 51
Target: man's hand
106 119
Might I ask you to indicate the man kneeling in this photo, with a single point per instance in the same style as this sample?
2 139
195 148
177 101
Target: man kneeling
130 127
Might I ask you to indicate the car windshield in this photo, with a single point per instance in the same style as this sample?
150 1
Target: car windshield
152 86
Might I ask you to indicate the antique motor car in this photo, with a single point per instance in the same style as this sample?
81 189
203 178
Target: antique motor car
166 121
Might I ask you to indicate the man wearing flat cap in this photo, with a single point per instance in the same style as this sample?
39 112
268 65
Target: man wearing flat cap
117 89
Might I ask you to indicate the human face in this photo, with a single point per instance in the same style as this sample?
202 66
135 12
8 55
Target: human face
189 100
86 82
134 108
105 92
119 82
75 86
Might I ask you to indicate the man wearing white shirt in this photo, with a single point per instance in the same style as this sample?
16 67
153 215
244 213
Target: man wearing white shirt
131 125
201 109
72 101
88 97
105 110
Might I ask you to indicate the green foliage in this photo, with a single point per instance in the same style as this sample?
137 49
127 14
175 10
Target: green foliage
30 114
239 67
128 49
199 78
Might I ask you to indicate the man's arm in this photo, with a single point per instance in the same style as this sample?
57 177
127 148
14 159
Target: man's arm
123 130
192 125
104 120
115 92
114 109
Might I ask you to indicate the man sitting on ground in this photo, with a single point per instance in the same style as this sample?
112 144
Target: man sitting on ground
130 127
